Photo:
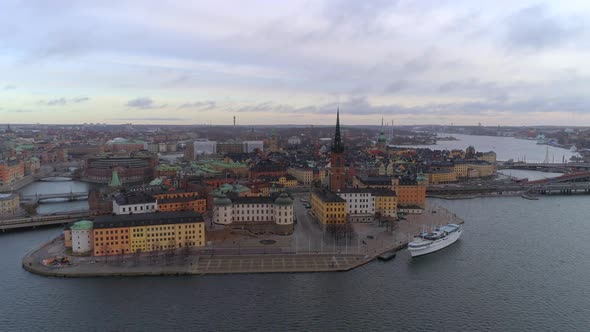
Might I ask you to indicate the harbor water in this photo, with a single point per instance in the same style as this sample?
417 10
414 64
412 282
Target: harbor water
520 265
506 148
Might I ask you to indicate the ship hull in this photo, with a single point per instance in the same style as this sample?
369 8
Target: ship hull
436 245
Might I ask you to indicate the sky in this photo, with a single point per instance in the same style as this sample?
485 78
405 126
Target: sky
294 62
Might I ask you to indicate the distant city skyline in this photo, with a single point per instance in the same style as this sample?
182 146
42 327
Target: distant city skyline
268 62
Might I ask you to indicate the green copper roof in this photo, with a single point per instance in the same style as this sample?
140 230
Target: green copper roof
222 200
164 167
283 199
82 225
115 181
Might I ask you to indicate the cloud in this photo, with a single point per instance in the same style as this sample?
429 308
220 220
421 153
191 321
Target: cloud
143 103
64 101
396 86
151 119
20 111
536 28
200 105
9 87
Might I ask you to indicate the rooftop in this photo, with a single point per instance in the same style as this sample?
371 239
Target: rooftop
134 198
147 219
328 196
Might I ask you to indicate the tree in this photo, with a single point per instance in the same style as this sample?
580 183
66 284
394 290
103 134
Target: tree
136 257
171 252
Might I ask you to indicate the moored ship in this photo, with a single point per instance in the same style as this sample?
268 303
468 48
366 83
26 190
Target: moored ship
442 237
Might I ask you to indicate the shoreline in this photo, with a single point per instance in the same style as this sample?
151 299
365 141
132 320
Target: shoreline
371 241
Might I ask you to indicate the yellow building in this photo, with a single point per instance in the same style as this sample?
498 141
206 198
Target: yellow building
285 181
9 205
116 234
328 207
485 169
303 175
385 202
490 157
460 169
442 176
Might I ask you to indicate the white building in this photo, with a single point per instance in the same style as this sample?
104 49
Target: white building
250 146
255 211
205 147
162 147
360 204
82 241
134 203
294 140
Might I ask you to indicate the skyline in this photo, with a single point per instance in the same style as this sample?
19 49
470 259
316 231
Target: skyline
295 63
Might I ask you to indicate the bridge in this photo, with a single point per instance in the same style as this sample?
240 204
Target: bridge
71 196
40 221
563 185
548 167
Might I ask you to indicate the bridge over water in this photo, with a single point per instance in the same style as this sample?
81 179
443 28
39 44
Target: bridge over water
71 196
548 167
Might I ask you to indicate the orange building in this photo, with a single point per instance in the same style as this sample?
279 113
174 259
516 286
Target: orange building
11 171
181 201
110 241
410 193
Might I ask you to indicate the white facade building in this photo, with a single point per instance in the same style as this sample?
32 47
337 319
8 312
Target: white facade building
360 204
134 203
294 140
250 146
205 147
255 211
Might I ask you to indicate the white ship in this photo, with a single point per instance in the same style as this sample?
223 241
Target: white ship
442 237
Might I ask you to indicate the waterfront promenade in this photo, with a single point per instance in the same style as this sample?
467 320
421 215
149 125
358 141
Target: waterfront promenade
286 254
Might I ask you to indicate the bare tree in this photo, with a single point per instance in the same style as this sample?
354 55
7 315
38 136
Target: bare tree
136 257
170 252
105 249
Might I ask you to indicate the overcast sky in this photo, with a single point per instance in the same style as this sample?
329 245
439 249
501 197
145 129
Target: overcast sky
292 62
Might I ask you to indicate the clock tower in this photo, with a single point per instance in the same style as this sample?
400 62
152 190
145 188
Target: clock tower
337 159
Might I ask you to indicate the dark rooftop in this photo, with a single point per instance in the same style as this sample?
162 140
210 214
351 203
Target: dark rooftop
147 219
328 196
134 198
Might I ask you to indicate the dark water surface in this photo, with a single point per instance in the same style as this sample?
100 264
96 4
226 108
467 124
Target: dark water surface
520 266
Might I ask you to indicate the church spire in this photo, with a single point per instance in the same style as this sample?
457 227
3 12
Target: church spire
338 147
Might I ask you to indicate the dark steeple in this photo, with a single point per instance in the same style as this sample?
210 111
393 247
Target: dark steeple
338 147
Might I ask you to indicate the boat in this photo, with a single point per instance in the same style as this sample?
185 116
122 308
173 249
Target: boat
426 243
529 197
388 255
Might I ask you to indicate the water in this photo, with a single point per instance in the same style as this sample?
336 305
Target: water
43 187
531 175
520 265
505 148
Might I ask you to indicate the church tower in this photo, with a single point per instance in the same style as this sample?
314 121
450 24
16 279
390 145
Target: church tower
337 159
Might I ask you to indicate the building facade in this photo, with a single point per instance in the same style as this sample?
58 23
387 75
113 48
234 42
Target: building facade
256 213
125 234
328 207
303 175
9 205
82 237
11 171
134 203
